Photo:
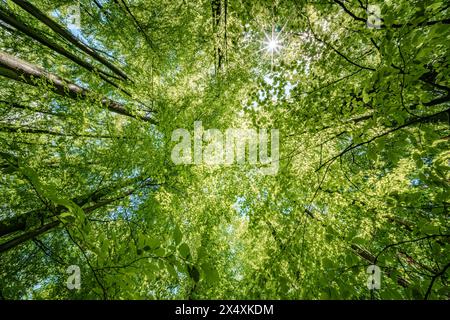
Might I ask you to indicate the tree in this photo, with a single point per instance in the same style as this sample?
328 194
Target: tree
86 122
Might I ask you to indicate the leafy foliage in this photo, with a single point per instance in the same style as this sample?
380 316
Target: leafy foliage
86 118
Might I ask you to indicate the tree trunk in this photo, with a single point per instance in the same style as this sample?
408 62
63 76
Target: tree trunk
12 20
20 70
38 14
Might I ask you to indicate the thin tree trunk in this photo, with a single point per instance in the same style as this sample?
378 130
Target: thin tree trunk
51 225
18 222
28 236
366 255
136 22
12 20
20 70
8 129
38 14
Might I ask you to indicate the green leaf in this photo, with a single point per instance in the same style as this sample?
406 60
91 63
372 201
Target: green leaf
193 272
172 271
153 243
429 229
366 97
177 235
358 240
184 250
210 273
160 252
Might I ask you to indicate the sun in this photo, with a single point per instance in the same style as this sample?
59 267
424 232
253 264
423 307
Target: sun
272 44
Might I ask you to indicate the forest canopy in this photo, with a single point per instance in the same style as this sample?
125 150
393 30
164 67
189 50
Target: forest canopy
354 94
